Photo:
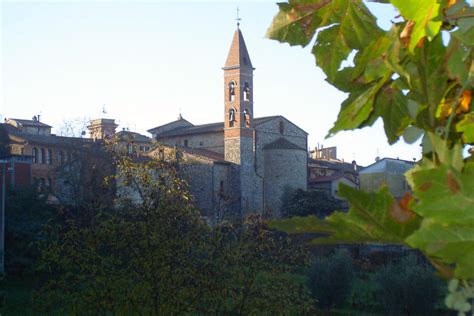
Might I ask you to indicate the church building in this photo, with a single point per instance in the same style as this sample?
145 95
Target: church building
243 164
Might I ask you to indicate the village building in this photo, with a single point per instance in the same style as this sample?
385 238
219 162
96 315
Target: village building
389 172
326 171
33 139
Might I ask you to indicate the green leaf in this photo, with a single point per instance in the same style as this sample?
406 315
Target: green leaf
446 155
330 50
353 27
444 194
450 244
466 126
356 108
377 216
391 105
370 64
426 16
296 22
461 15
412 134
373 217
445 200
432 72
458 61
296 224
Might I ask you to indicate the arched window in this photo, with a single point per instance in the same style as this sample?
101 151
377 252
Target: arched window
247 117
34 153
49 156
231 117
281 127
43 156
246 91
232 90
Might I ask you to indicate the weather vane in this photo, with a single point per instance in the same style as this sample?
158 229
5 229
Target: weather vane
238 19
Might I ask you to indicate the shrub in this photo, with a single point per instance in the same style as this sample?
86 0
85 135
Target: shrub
330 279
363 296
26 213
408 287
304 203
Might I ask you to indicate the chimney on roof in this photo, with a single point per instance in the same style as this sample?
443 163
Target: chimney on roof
38 117
102 128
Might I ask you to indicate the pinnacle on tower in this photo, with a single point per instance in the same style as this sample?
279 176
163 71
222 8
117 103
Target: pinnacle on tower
238 56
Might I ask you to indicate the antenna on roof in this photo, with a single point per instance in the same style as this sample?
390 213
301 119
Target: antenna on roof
238 19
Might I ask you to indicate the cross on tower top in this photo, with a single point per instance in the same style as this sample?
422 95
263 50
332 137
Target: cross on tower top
238 19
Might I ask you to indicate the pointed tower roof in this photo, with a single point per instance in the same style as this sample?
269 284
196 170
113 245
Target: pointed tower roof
238 56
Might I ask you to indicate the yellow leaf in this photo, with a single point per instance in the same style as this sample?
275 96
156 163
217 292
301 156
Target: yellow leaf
465 101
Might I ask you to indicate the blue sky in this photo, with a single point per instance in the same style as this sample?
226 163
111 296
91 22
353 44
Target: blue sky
147 61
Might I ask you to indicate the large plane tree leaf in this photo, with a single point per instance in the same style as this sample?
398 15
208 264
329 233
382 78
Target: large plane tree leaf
357 108
446 202
392 106
355 29
466 126
372 217
296 22
342 26
425 15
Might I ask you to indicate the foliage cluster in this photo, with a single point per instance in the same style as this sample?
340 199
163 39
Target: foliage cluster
330 279
26 213
408 287
418 78
405 287
302 203
155 255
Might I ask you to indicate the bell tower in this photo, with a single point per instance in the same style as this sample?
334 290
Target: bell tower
238 116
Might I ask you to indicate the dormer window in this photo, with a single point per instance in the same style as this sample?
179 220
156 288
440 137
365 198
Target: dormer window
246 91
232 90
281 127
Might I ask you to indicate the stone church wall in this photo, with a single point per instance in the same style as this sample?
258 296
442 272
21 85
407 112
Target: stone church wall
283 168
209 141
199 176
270 131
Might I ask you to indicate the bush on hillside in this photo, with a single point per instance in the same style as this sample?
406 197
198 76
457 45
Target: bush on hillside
408 287
303 203
331 279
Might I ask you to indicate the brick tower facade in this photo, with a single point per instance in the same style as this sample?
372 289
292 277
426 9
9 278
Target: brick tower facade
238 118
